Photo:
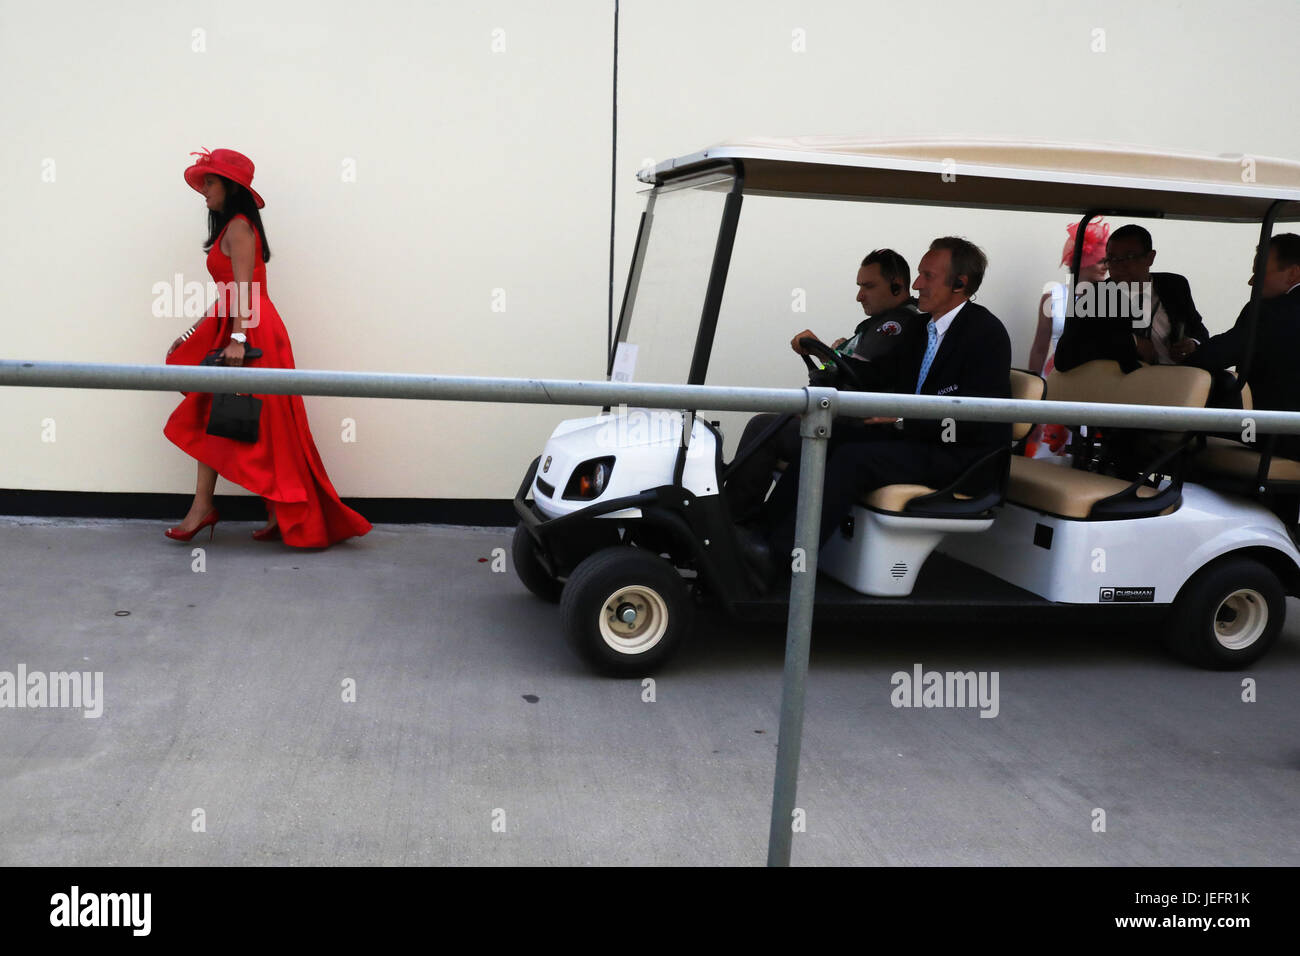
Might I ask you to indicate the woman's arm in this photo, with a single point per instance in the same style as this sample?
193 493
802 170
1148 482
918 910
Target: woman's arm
183 336
243 247
1042 334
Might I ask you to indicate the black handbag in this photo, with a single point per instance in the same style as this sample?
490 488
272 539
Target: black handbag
234 416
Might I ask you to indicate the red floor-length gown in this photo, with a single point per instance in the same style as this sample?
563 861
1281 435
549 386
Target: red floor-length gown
283 465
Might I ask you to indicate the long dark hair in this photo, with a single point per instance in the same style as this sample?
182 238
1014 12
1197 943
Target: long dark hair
238 200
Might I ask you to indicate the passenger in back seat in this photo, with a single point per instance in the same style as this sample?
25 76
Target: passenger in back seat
1048 440
1095 329
1112 327
965 352
1274 372
1175 327
1051 307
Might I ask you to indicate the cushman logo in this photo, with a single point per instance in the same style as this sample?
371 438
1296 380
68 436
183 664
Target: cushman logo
950 689
102 909
546 465
1127 595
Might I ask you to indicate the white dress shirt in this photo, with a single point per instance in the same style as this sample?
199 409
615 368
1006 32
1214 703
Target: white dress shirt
1160 329
942 322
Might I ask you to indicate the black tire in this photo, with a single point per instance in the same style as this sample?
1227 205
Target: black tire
529 567
626 576
1227 615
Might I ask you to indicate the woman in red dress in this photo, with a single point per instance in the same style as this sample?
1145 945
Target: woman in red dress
283 465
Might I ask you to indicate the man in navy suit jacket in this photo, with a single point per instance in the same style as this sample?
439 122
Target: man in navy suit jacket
964 351
1275 359
1175 329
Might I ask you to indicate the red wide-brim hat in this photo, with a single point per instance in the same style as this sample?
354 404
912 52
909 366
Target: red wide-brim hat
223 162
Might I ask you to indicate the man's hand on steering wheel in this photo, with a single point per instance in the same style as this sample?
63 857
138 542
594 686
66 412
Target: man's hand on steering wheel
842 371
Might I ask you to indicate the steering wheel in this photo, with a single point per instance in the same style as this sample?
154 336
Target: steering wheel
842 374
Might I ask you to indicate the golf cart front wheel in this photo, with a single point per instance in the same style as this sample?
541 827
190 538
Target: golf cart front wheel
625 611
529 567
1227 615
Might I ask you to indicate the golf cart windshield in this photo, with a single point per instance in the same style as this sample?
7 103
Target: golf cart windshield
668 287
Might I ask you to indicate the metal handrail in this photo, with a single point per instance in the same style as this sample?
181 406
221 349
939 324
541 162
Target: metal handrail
819 406
465 388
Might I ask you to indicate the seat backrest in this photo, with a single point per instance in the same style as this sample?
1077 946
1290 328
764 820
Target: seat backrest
1102 381
1029 387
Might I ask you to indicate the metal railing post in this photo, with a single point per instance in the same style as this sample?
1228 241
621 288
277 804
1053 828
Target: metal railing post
815 429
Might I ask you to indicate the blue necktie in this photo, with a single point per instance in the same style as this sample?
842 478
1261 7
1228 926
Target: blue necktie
931 347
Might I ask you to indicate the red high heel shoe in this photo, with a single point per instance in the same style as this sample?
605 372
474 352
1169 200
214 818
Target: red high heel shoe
210 521
267 534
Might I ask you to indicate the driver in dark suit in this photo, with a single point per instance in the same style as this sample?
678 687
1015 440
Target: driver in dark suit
963 351
891 319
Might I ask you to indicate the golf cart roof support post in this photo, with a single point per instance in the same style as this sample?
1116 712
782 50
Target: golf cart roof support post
1257 289
717 278
712 306
815 429
1076 257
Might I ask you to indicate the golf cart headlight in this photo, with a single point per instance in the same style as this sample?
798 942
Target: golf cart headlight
589 479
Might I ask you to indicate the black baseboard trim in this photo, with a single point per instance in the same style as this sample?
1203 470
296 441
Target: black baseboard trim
489 512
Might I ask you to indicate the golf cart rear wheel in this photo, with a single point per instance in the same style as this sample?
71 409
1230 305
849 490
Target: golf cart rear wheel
625 611
1227 615
529 568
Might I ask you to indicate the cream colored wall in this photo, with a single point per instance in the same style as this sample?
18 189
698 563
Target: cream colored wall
481 169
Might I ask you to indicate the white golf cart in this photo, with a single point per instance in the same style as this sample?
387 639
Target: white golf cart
628 526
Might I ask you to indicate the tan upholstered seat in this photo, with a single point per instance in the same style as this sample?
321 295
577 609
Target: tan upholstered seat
1102 381
1025 386
894 497
1165 442
1059 490
1072 493
1227 457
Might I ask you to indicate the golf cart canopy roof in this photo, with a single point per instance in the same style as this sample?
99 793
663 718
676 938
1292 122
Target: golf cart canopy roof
1001 174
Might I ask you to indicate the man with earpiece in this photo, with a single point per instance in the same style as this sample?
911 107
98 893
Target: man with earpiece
892 318
891 314
963 351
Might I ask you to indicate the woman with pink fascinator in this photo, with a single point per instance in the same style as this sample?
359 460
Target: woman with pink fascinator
1051 307
1051 440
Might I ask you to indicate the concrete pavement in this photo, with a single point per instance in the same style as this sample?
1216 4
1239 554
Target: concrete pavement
229 734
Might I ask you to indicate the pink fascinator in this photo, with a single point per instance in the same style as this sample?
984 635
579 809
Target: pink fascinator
1094 243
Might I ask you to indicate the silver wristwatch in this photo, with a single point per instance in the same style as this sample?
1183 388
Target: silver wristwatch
239 337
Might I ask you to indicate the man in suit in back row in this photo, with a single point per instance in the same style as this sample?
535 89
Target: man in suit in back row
1275 359
965 352
1176 327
